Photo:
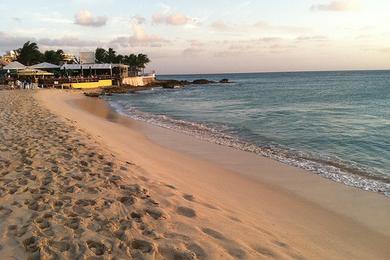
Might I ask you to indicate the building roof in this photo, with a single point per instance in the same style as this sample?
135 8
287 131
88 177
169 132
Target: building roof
15 65
94 66
45 65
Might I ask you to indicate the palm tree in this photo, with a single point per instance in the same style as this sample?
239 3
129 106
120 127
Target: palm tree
135 62
142 60
131 61
29 54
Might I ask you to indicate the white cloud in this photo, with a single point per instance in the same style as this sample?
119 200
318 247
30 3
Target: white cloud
85 18
139 19
311 38
68 41
220 25
337 6
9 42
174 19
139 38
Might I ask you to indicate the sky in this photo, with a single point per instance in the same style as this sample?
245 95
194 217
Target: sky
213 36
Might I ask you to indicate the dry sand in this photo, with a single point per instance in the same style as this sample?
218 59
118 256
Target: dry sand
78 185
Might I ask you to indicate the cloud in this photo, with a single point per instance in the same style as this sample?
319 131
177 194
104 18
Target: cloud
68 41
192 51
383 50
259 25
220 25
9 42
139 38
280 28
139 19
262 24
311 38
85 18
337 6
195 48
175 19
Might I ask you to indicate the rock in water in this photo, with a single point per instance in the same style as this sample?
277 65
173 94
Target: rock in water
202 81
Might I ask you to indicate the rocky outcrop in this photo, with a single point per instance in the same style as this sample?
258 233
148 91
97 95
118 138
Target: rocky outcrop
202 82
224 81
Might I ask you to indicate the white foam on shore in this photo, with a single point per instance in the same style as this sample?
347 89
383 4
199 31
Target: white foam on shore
364 180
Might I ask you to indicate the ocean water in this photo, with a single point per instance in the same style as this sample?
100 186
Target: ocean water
334 124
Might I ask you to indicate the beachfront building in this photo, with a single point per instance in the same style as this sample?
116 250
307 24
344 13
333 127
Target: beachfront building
94 75
68 58
96 70
82 75
8 57
16 75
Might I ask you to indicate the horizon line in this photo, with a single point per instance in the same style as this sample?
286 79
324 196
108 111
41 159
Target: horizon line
265 72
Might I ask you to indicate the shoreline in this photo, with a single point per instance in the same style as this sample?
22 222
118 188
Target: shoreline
335 170
292 204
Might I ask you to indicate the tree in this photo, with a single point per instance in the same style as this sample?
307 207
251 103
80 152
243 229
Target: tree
135 62
54 57
119 59
101 55
29 54
131 61
111 56
142 61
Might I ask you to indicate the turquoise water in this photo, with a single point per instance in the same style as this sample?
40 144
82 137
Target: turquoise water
335 124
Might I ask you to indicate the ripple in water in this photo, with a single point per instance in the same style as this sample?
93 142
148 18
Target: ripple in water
334 124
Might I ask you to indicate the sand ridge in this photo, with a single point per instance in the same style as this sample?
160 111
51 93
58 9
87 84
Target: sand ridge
63 196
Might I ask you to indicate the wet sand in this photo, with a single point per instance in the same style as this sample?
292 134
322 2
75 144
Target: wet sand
79 181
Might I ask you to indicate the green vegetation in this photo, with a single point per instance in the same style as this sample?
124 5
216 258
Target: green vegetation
136 62
30 54
54 57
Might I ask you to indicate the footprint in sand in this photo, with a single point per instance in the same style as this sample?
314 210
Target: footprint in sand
198 251
42 223
155 213
170 186
142 245
171 252
235 219
230 246
4 212
96 247
127 201
73 223
264 251
136 216
31 244
213 233
185 211
12 230
281 244
189 197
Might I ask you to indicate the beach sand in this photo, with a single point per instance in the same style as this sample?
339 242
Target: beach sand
78 181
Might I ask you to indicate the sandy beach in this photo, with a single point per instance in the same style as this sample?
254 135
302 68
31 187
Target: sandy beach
79 181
